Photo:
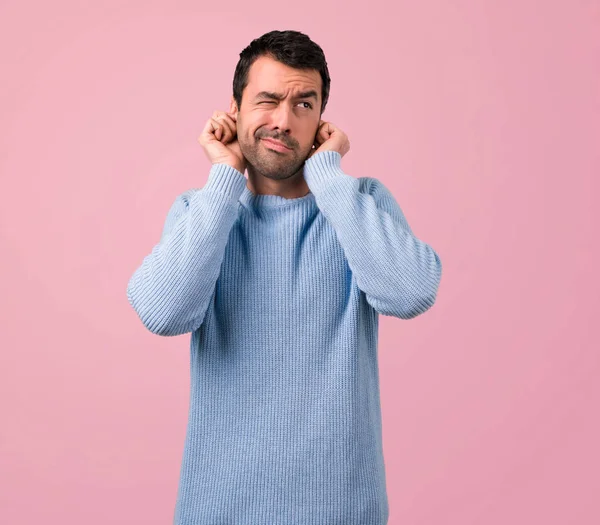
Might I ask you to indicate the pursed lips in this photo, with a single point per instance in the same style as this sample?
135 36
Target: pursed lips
279 143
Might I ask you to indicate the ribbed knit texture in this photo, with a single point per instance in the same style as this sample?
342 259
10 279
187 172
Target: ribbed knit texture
282 298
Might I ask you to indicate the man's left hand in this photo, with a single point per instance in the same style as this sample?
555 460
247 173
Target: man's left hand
330 137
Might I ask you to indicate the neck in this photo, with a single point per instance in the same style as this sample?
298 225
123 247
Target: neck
290 188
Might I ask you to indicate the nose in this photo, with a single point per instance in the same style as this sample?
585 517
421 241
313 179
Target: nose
281 118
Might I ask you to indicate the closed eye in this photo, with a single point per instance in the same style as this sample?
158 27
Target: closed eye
273 102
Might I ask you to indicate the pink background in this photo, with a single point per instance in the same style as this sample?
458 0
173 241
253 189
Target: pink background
483 118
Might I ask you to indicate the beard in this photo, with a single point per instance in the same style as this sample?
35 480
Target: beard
269 163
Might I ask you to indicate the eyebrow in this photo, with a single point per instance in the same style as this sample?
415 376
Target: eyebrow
311 93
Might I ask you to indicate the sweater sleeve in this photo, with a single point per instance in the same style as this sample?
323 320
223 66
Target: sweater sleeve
398 273
173 286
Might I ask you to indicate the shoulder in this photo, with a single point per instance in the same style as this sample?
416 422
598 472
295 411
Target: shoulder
182 200
373 187
178 208
187 195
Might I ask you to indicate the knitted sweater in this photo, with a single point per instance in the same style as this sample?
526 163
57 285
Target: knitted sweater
282 297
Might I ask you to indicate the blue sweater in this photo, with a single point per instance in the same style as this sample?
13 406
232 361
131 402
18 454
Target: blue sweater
282 297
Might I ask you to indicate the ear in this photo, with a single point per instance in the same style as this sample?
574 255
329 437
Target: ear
316 140
232 105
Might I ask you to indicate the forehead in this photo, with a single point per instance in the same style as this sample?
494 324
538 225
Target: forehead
267 74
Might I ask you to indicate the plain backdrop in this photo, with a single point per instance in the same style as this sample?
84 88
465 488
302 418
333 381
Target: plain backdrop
482 117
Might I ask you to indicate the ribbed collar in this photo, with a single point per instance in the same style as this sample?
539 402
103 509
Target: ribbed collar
260 200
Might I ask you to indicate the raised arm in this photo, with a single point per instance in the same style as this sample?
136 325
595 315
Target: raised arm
398 273
172 288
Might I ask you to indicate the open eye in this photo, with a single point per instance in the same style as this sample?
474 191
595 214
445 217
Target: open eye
273 102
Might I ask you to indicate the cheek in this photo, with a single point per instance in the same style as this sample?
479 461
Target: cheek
311 140
252 125
247 133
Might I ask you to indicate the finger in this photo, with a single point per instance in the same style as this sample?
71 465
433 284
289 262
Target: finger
208 132
220 130
322 136
217 129
229 120
220 115
327 129
229 127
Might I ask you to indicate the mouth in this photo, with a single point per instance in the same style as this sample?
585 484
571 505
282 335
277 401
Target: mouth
276 145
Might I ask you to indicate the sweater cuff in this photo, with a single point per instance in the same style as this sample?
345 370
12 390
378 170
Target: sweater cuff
322 167
226 179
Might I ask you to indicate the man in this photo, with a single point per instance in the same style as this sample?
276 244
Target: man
280 279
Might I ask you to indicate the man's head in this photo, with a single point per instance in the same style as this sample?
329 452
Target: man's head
289 65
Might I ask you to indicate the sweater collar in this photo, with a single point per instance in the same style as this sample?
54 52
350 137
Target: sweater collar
273 201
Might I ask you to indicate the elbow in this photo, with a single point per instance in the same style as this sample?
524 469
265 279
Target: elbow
413 298
405 303
426 300
421 306
402 309
163 326
158 323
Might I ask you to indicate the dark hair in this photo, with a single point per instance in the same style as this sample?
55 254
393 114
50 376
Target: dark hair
291 48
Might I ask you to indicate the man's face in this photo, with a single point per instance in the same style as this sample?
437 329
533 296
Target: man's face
293 119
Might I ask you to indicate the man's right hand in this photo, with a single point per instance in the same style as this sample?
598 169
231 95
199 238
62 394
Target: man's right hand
219 140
